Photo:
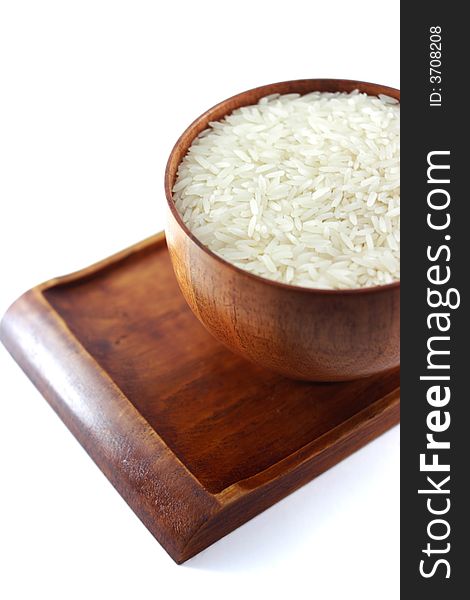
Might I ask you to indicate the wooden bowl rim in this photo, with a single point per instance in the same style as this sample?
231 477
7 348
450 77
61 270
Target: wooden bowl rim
270 89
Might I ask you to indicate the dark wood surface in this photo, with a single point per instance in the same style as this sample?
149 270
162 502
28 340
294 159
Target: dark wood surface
308 334
195 438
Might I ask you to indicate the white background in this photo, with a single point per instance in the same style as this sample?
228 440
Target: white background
93 95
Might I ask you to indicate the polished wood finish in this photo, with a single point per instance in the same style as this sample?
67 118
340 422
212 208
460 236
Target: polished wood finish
196 439
315 335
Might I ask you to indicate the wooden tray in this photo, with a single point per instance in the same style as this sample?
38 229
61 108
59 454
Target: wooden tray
195 439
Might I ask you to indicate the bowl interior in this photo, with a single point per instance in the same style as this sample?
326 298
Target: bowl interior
224 108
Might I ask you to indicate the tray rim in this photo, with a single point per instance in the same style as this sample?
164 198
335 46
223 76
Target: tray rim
48 333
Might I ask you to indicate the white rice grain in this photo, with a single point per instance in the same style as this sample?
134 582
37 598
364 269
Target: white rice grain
300 189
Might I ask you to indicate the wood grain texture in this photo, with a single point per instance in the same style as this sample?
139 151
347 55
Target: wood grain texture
196 439
303 333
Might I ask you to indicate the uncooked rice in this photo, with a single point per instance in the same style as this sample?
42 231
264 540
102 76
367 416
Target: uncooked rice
304 190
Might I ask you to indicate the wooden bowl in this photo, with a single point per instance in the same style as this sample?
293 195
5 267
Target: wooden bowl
303 333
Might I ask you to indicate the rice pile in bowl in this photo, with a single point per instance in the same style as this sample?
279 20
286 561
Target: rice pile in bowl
304 190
